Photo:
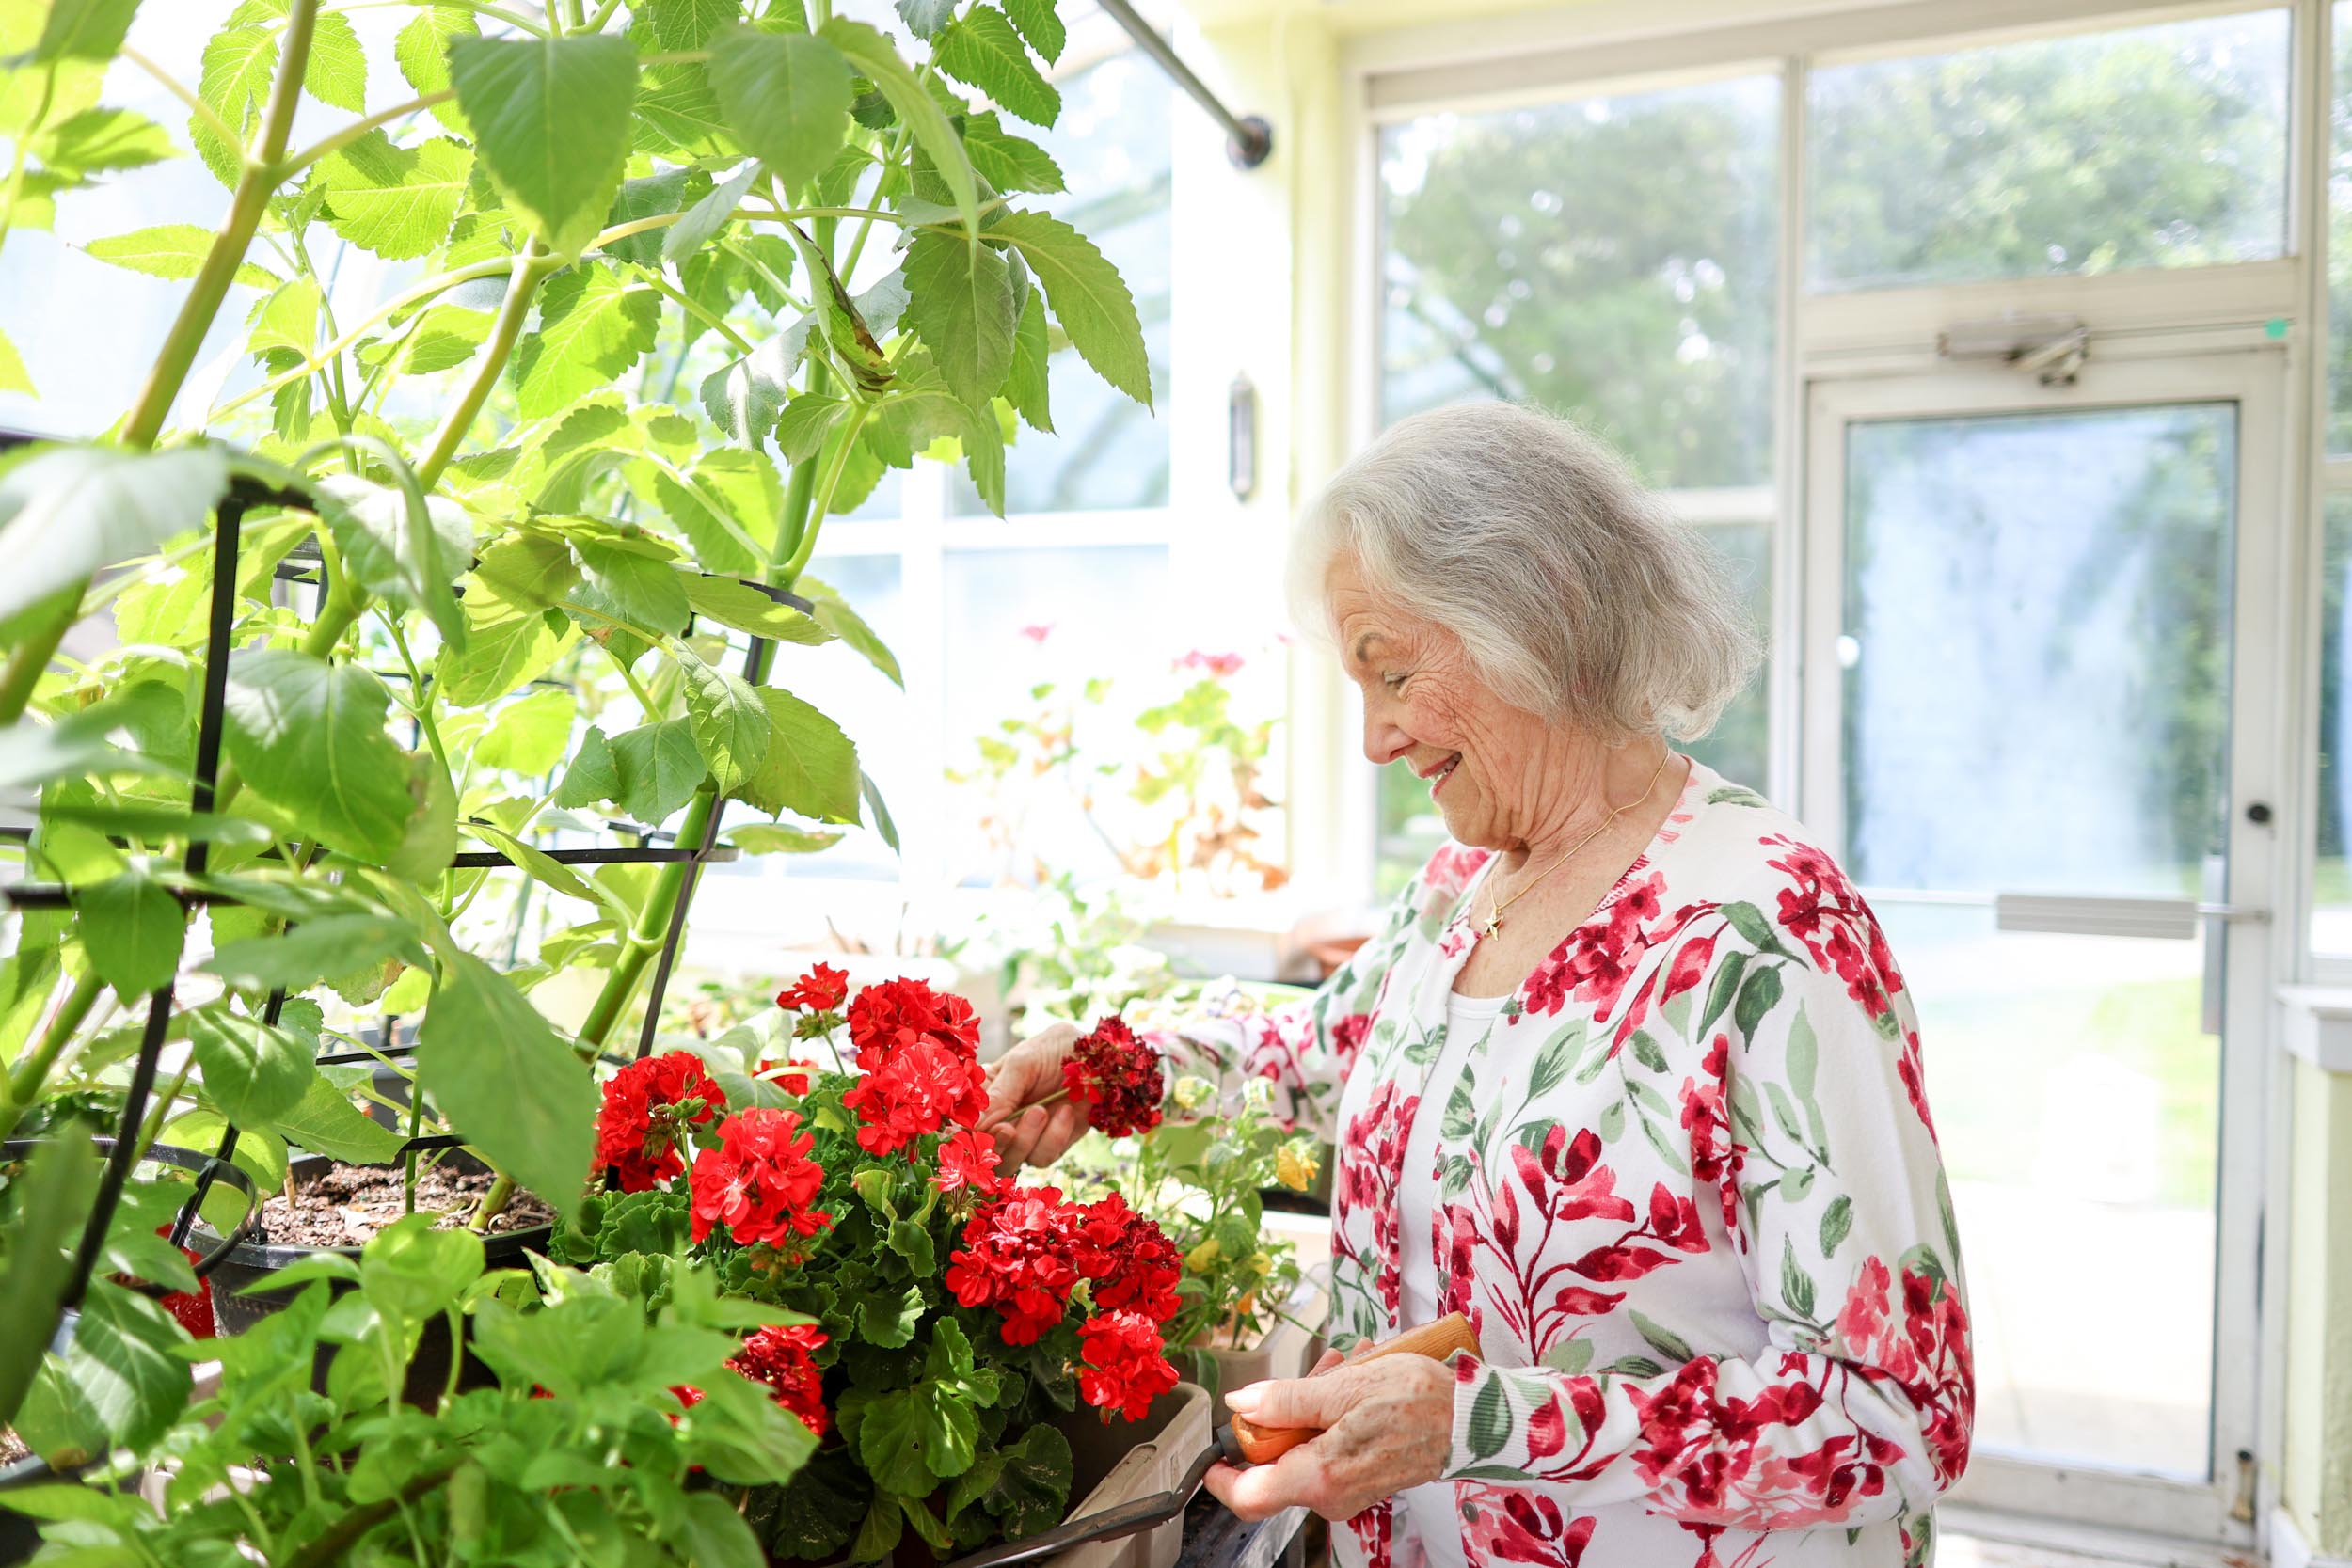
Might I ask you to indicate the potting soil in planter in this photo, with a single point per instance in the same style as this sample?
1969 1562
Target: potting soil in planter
345 1206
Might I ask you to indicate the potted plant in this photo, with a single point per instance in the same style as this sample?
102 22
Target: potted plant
383 676
959 1320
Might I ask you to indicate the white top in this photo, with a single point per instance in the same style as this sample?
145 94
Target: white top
1434 1509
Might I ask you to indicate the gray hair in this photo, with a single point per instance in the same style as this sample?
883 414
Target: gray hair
1574 591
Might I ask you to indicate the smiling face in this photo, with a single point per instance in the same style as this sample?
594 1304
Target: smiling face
1498 773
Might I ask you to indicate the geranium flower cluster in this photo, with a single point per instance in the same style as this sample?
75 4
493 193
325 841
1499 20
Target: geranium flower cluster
919 1051
759 1182
648 1105
783 1357
1117 1078
1025 1253
816 996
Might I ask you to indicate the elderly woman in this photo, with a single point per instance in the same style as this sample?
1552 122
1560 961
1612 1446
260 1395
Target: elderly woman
1627 1076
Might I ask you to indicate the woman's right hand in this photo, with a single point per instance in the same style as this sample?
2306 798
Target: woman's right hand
1029 1132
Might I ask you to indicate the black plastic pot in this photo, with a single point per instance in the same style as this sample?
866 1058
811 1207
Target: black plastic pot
242 1296
20 1537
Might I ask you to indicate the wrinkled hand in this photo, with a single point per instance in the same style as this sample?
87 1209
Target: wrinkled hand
1387 1424
1027 1131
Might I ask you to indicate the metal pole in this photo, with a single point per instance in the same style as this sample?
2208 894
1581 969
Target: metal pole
1248 138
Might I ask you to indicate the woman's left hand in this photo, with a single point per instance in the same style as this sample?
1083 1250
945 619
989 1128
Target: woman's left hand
1387 1424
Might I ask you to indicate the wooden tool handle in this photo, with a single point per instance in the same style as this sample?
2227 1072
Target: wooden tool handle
1438 1340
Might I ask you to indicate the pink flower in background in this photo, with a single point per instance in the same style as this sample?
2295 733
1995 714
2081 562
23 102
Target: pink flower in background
1037 633
1221 666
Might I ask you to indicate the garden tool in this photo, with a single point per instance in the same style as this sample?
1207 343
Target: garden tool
1240 1442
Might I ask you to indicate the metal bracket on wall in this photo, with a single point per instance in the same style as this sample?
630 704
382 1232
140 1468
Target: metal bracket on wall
1248 140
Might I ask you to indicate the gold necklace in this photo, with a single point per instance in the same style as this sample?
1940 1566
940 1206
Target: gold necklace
1493 922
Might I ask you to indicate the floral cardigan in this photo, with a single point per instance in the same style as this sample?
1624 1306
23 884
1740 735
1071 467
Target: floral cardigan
1687 1193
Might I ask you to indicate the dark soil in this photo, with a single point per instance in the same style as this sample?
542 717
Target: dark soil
12 1448
346 1205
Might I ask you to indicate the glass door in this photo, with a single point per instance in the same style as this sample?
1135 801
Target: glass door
2037 716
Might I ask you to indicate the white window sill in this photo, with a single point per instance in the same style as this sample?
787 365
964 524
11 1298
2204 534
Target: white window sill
2318 1025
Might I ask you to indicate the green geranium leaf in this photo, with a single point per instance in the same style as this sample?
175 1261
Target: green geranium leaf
785 96
1088 297
507 1081
396 201
68 511
308 738
551 125
981 50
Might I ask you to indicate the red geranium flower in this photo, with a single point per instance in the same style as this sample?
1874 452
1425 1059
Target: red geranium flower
1135 1267
1016 1257
820 991
1125 1365
1117 1077
759 1182
780 1357
916 1090
792 1077
895 1014
647 1107
966 1159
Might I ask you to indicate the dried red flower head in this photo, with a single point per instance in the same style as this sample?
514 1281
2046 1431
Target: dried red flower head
1117 1078
782 1357
759 1182
1133 1265
1016 1259
967 1159
1125 1366
647 1107
916 1090
895 1014
820 991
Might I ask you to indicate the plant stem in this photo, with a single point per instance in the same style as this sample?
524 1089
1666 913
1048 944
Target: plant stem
653 924
254 185
344 1533
30 661
416 294
859 413
530 266
195 106
359 128
480 8
33 1069
154 1128
710 319
494 1202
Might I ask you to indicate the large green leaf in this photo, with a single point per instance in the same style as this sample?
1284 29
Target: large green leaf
507 1081
1041 24
394 553
308 738
1028 385
706 217
169 250
422 51
396 201
810 768
326 1122
651 195
732 491
14 377
52 1200
730 724
98 140
68 511
336 70
528 735
83 29
677 114
960 299
643 590
687 23
924 410
507 646
594 324
746 608
834 613
233 82
786 96
658 768
132 927
254 1072
551 125
1088 297
1008 162
122 1384
313 951
876 60
981 50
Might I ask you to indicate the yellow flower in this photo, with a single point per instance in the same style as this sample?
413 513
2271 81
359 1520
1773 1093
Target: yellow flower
1296 1167
1201 1260
1260 1264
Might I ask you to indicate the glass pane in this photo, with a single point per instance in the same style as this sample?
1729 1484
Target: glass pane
2340 244
2331 886
1612 258
1024 630
1106 451
1409 828
2150 147
874 713
2036 679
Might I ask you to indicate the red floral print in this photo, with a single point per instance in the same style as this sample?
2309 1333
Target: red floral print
1508 1525
1124 1368
1117 1078
1823 911
759 1183
782 1356
646 1107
